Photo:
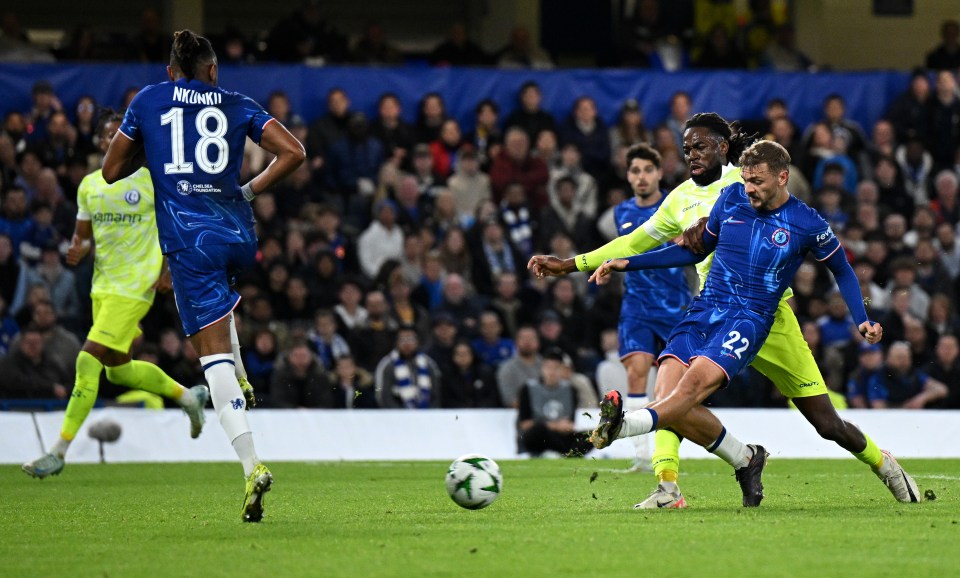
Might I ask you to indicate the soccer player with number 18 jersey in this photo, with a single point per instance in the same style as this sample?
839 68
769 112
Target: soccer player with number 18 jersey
191 133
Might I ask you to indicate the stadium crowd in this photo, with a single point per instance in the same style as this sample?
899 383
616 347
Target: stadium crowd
392 264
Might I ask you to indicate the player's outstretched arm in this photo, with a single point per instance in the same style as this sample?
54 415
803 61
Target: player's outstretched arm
289 153
850 290
669 256
638 241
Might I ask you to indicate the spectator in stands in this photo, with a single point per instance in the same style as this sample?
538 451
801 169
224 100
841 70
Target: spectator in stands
514 164
351 315
518 217
486 137
458 302
260 360
946 205
45 103
468 383
564 216
178 359
945 368
406 377
585 185
444 149
60 143
521 368
521 52
893 193
373 47
15 222
492 348
930 273
909 112
304 34
402 308
28 373
949 249
329 128
378 335
529 115
458 50
299 380
943 125
9 268
902 386
29 166
630 128
325 342
381 241
59 281
353 161
397 135
782 55
64 212
152 43
946 55
495 254
455 254
354 386
916 165
551 331
431 112
585 129
469 185
879 298
547 410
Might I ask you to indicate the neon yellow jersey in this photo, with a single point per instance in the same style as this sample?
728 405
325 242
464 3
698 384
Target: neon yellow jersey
128 257
681 208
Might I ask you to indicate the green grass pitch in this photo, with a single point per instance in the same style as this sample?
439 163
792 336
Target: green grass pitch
820 518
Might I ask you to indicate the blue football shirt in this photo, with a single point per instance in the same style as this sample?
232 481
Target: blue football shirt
758 253
649 292
193 134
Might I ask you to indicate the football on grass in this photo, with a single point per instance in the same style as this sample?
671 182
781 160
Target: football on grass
474 481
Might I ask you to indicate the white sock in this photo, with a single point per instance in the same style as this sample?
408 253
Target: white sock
228 401
235 346
637 423
731 450
633 402
243 445
60 447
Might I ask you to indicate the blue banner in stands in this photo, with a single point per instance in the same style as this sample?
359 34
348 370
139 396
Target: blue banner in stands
735 95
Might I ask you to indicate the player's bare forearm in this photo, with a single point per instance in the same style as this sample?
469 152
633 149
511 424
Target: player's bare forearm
549 266
124 157
80 243
289 152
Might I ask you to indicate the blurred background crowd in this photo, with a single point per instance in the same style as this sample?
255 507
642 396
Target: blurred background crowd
399 249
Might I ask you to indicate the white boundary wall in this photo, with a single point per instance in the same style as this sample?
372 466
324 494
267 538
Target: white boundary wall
325 435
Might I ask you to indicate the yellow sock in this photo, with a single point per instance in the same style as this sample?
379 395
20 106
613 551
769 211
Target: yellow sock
84 394
146 377
666 456
871 454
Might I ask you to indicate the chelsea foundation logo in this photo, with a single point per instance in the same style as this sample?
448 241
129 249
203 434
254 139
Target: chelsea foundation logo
780 237
132 197
184 187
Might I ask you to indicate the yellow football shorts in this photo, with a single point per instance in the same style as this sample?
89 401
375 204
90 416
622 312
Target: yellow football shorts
786 360
116 321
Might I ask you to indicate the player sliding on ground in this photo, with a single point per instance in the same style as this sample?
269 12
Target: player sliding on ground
192 134
709 141
126 275
759 235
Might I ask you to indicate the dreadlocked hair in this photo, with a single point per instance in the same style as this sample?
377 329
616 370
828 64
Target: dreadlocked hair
737 140
189 51
105 116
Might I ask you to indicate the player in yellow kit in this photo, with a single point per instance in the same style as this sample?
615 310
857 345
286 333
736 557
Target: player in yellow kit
708 142
126 275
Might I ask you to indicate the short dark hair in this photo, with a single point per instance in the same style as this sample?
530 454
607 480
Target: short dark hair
487 102
766 151
645 152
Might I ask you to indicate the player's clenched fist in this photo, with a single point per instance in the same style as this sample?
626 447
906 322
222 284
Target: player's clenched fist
549 266
873 332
